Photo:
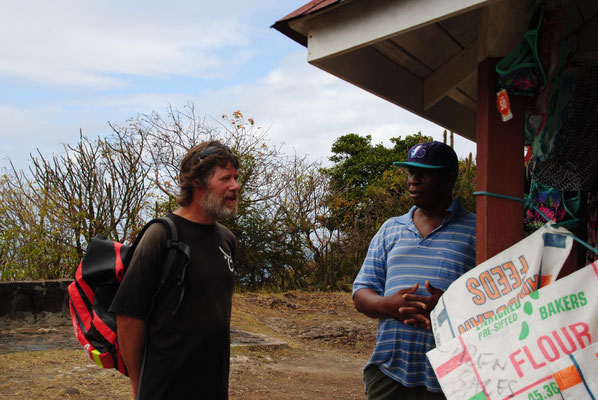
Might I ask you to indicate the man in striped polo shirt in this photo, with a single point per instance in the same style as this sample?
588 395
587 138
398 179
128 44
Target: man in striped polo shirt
410 262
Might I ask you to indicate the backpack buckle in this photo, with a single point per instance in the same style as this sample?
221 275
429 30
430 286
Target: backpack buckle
170 243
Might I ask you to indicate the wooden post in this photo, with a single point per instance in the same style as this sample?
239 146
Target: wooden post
499 168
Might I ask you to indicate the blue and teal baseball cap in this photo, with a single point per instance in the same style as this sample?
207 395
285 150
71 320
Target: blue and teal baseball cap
431 155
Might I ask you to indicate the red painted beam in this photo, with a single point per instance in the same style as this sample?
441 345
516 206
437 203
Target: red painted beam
499 168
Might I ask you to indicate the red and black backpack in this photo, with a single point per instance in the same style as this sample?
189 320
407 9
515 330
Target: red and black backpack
96 281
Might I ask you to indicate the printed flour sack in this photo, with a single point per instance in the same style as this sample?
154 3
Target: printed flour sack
540 347
576 375
494 286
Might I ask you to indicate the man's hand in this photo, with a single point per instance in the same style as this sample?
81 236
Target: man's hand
418 318
370 303
403 304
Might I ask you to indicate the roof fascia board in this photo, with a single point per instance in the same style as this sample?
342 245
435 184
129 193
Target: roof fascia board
357 24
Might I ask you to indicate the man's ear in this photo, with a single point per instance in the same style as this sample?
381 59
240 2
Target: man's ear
198 184
198 189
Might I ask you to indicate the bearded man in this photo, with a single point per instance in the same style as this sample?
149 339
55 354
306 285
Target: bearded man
184 354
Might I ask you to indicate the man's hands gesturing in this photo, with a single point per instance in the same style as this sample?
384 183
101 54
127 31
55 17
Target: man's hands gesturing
404 305
421 316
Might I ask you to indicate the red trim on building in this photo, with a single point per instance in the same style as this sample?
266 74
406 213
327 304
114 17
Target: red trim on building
308 8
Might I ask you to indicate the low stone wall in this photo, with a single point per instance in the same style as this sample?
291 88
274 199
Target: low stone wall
34 303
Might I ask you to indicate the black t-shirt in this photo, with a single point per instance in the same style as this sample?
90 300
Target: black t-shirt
188 353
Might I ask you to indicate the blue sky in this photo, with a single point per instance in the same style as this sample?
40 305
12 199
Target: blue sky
70 65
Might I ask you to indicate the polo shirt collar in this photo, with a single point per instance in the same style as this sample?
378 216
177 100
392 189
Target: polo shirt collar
454 208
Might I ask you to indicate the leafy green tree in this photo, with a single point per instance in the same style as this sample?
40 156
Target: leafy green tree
358 163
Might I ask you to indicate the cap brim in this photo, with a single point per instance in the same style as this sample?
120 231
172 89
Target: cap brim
418 165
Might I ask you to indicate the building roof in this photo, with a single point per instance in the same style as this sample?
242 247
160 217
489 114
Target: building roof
313 6
422 55
310 7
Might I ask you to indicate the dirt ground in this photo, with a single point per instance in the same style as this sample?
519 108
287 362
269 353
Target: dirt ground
327 345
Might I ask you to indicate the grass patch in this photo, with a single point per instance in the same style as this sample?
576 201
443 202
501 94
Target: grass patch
58 374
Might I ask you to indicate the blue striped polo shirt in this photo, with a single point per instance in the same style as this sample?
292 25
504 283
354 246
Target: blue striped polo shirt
398 257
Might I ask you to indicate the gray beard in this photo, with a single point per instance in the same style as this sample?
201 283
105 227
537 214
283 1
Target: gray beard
215 208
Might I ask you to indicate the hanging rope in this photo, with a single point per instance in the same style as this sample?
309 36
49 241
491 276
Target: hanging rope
528 202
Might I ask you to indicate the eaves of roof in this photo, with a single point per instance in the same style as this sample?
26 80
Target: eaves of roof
282 25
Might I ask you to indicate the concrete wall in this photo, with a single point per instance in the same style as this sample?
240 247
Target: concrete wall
36 302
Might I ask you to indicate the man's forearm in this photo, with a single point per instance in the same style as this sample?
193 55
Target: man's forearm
369 302
131 341
396 306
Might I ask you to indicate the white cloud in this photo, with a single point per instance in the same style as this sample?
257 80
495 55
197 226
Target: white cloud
90 44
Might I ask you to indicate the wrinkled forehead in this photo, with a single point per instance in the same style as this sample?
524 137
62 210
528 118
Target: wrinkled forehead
228 169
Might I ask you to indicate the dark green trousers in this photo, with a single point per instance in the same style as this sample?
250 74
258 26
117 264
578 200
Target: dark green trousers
381 387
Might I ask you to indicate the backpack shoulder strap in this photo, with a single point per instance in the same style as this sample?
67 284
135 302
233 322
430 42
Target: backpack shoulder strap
174 245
